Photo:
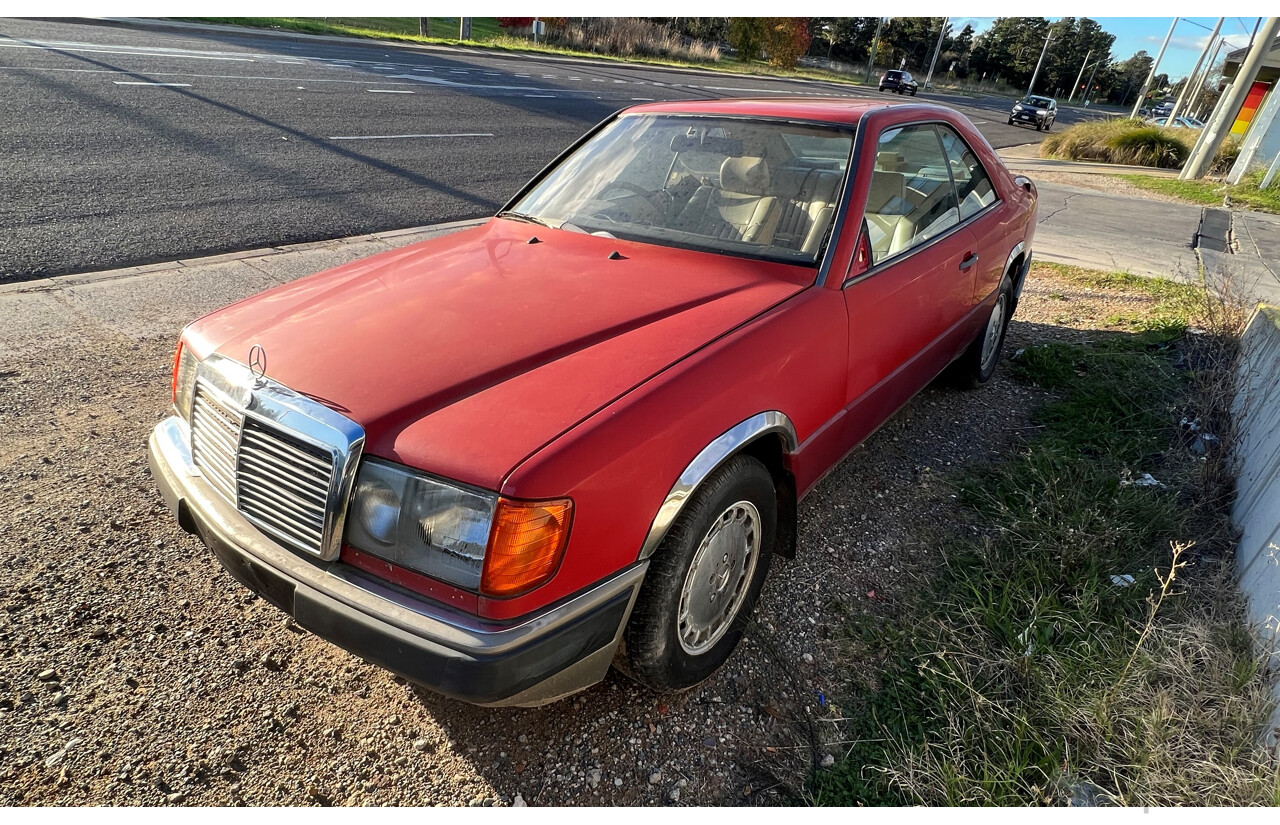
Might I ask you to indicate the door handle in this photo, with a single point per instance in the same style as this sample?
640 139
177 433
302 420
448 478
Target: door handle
969 260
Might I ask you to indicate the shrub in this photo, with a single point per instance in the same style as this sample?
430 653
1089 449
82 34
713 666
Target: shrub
515 22
1132 142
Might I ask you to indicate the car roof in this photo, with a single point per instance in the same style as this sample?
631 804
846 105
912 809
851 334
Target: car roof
822 109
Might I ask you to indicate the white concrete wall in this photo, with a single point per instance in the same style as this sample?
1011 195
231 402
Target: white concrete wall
1257 507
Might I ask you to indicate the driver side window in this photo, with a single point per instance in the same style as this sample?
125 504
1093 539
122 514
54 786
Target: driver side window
912 199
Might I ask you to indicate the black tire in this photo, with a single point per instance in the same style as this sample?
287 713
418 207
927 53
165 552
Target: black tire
653 652
882 88
913 92
1048 126
1010 121
969 371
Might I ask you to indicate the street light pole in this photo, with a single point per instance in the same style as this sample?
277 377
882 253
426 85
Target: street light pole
1083 66
875 44
1142 93
941 33
1229 104
1048 37
1182 96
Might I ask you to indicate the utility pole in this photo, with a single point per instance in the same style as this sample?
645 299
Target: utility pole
424 26
1048 37
1142 93
1186 87
1198 87
1230 102
464 28
941 33
1083 66
875 44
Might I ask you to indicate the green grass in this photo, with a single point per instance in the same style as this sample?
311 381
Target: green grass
1245 194
486 33
1019 674
1130 142
443 29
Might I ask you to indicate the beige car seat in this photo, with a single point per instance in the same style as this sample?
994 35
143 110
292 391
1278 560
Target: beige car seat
741 209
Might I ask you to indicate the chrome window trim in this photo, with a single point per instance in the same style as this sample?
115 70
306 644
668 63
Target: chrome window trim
705 463
277 407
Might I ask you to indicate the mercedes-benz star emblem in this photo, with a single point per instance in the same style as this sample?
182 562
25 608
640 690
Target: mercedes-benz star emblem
258 364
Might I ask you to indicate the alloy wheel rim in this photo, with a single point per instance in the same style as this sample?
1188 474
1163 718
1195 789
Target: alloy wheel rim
991 340
718 579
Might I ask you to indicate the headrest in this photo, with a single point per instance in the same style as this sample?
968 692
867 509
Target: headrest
890 161
888 193
747 176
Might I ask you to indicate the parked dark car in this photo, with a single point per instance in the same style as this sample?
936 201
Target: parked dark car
898 81
1036 111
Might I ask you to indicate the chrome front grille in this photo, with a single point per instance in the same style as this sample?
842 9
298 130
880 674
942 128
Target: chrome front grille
284 461
215 432
283 485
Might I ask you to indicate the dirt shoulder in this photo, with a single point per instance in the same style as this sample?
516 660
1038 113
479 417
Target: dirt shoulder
134 671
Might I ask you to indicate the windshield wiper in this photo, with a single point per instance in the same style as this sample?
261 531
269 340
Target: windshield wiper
520 216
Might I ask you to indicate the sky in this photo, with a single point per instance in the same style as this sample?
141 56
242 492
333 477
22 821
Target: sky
1134 33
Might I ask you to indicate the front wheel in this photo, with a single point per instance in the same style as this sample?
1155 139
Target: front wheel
978 363
1010 121
913 92
704 579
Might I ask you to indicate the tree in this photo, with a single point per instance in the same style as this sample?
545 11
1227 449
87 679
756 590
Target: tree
786 38
747 36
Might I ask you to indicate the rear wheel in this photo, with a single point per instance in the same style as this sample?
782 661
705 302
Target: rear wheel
978 364
704 580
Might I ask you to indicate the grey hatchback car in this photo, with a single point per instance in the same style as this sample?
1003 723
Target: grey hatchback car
1034 110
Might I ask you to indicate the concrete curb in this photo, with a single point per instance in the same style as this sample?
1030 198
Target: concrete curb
79 279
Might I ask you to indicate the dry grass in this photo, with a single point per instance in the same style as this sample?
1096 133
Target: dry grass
630 36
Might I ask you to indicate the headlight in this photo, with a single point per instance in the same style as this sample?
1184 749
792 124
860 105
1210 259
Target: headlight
1042 111
469 538
184 380
1017 107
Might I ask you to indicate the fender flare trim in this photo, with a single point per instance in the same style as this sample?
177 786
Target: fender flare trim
705 463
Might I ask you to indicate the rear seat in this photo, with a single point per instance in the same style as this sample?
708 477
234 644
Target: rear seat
809 208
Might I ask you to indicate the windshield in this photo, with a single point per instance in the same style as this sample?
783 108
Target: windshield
760 188
1038 102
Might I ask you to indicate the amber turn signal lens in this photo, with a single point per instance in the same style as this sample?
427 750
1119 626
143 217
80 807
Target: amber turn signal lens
177 359
525 546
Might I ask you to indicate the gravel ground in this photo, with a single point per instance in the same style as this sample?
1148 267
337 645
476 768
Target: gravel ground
134 671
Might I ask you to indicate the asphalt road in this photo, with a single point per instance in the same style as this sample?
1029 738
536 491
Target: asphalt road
125 147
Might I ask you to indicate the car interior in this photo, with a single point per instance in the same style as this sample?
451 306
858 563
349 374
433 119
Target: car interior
911 198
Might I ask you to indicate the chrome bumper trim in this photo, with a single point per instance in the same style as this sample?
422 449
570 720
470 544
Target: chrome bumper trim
179 481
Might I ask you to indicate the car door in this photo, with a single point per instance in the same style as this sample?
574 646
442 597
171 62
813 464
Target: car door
918 283
978 205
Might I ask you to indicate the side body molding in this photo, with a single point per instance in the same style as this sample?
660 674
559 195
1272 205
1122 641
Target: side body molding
705 463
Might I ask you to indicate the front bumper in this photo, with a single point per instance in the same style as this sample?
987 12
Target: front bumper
557 651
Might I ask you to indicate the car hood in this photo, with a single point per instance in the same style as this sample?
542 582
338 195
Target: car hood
464 354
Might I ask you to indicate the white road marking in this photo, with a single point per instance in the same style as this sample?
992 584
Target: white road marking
390 91
549 75
458 71
132 52
619 81
146 83
979 121
642 98
492 74
400 137
522 75
575 78
537 95
292 62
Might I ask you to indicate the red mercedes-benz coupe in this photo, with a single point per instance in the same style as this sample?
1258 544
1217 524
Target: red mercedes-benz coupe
498 461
